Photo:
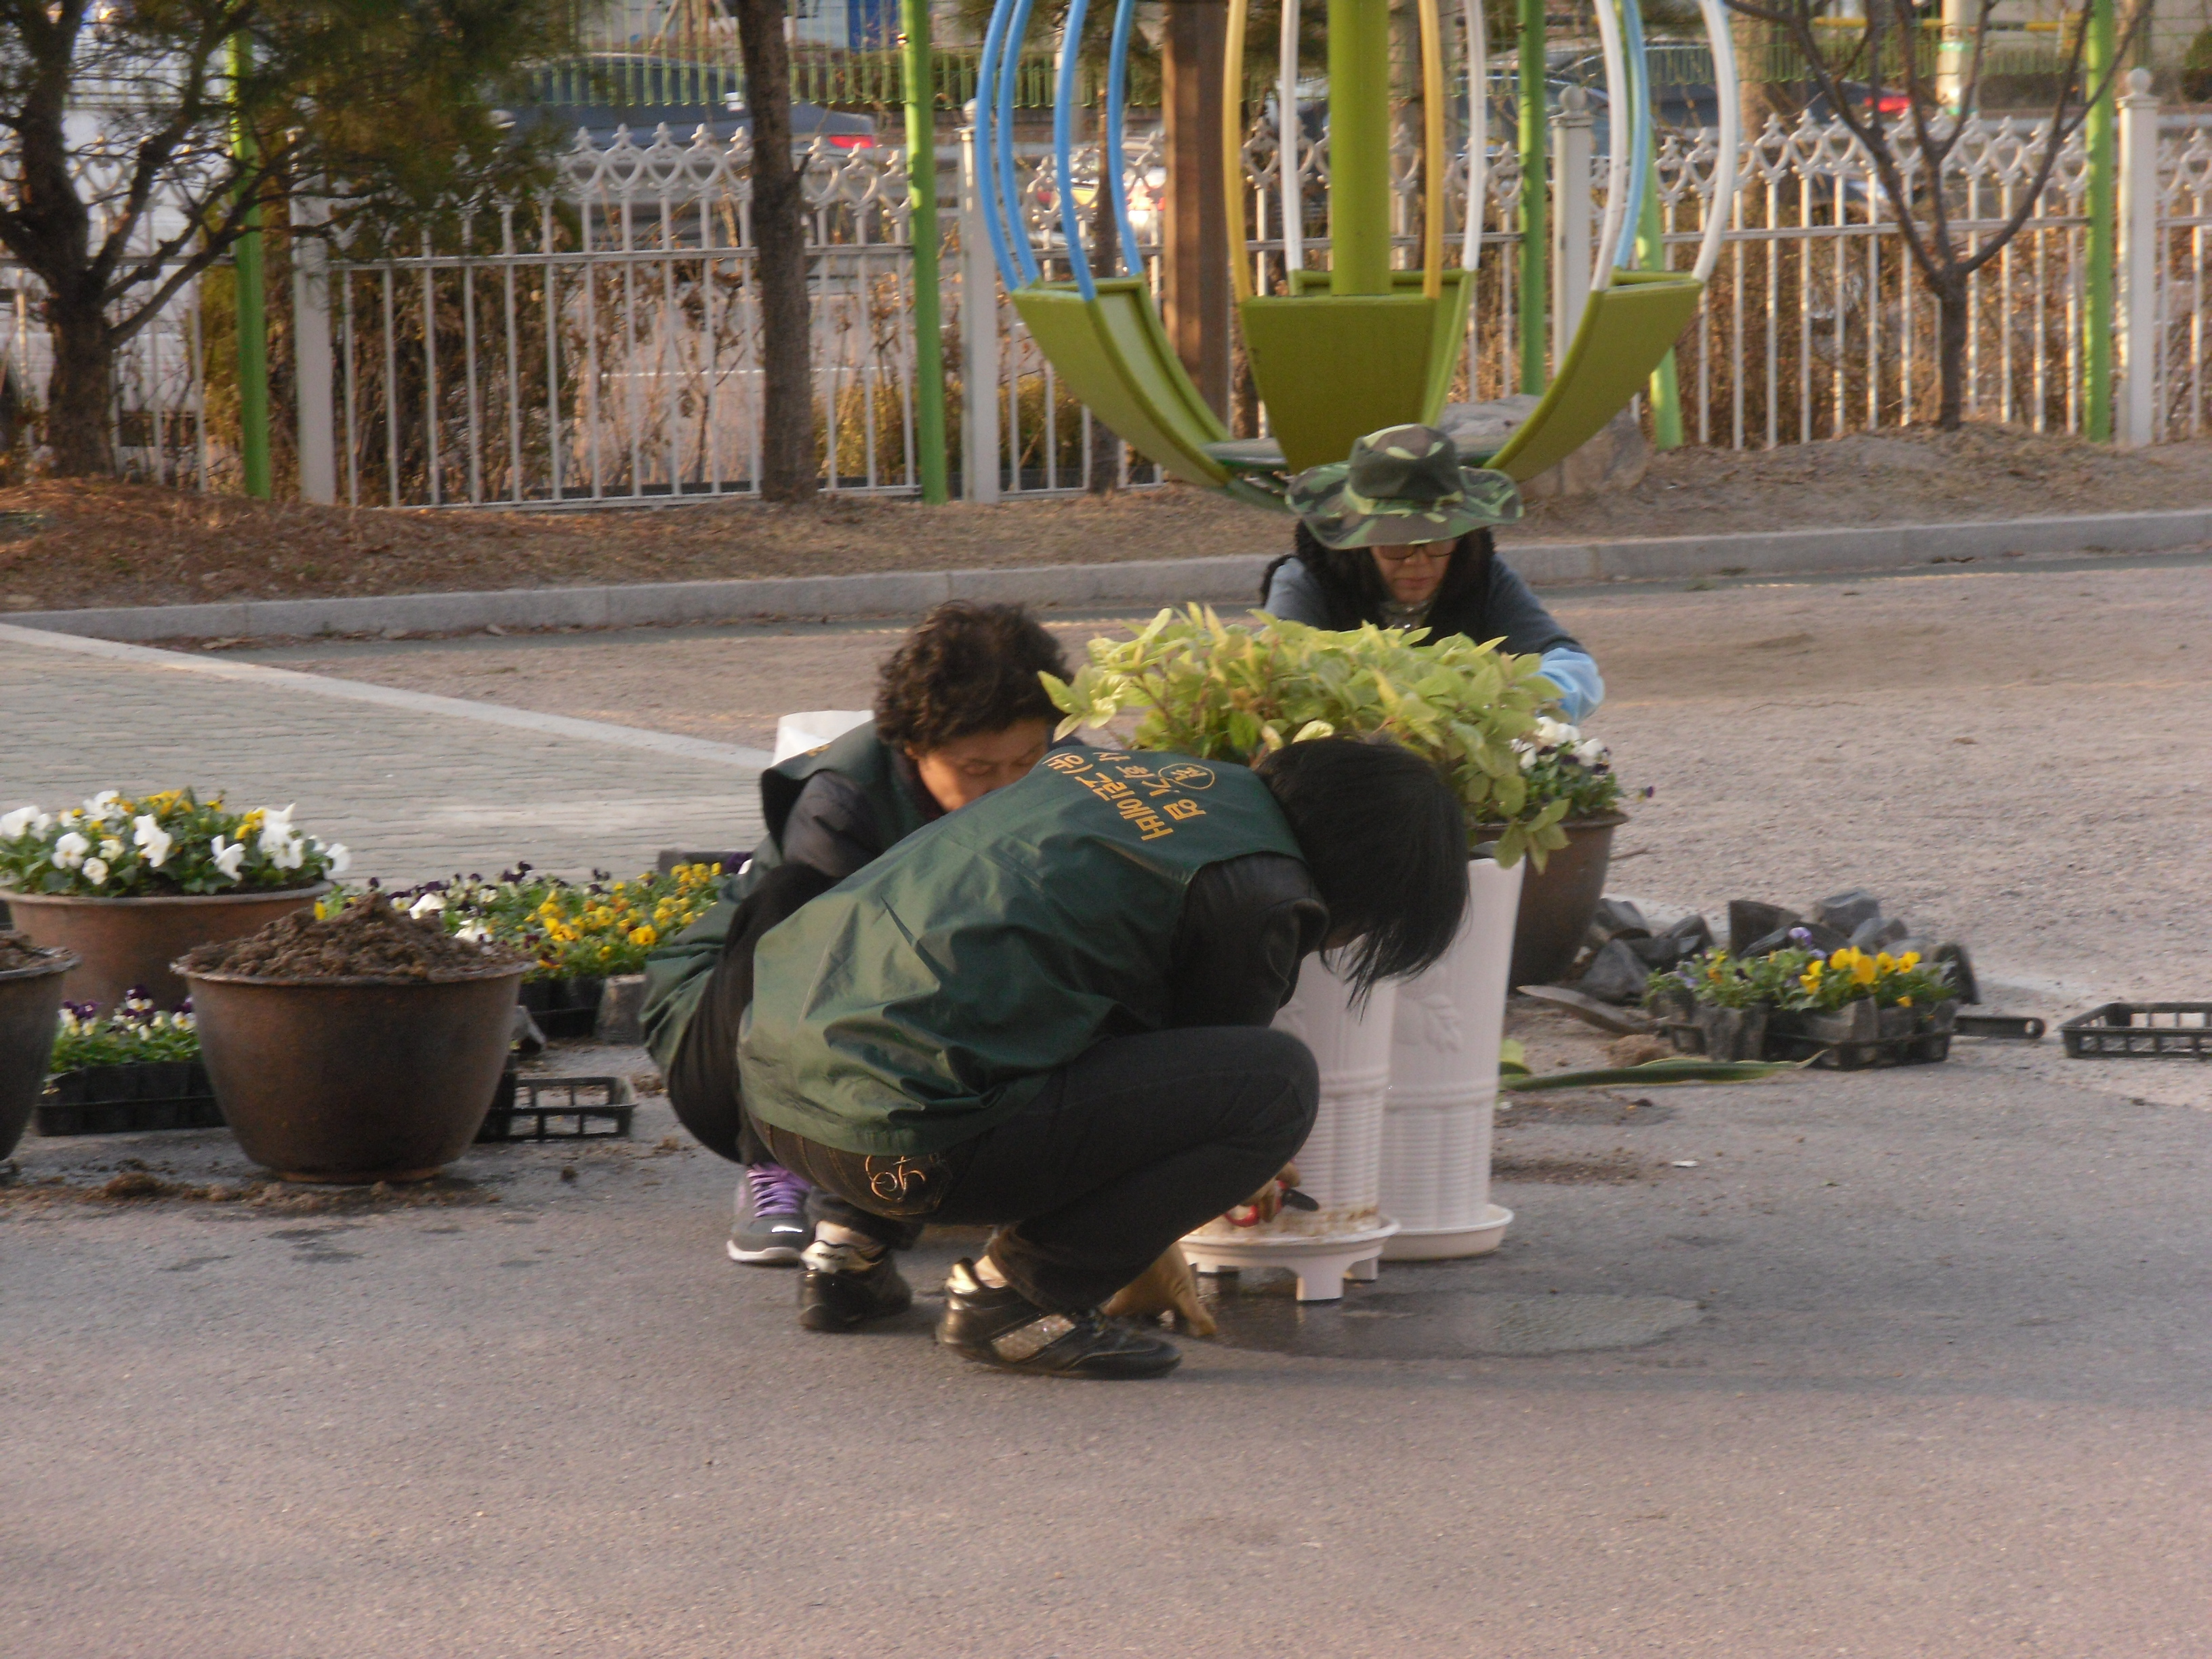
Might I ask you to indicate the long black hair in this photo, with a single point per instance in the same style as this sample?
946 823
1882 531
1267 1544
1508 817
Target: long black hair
1353 586
1384 838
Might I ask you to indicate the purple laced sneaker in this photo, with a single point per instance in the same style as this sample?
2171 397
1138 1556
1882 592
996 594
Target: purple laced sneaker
777 1232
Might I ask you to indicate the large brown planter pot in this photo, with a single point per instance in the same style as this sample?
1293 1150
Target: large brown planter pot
131 941
355 1081
1558 902
30 1007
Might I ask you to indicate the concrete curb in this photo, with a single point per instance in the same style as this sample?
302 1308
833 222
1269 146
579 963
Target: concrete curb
288 681
1231 577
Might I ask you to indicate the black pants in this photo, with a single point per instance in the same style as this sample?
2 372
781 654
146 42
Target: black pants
703 1083
1130 1146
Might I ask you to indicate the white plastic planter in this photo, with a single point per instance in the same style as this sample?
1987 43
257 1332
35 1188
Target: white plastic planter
1339 1167
1443 1084
797 733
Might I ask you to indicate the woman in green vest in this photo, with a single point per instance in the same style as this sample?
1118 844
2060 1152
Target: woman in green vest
1050 1011
959 712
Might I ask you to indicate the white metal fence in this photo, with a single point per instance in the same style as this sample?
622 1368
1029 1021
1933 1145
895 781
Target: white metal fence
600 345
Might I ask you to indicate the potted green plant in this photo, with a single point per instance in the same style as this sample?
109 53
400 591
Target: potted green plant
30 978
136 1068
130 885
1573 788
1847 1009
359 1047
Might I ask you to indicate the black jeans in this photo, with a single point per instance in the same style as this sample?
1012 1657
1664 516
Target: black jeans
703 1083
1128 1148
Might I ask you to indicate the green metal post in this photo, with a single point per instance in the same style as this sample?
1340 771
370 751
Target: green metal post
1535 216
2097 316
1651 255
920 78
1359 146
252 302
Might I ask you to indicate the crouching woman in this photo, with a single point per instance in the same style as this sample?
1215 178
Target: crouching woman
1050 1013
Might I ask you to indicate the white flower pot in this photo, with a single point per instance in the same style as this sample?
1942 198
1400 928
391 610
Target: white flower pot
1339 1167
1443 1084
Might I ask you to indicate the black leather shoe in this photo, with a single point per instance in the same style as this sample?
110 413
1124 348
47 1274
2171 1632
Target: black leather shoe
841 1289
1003 1328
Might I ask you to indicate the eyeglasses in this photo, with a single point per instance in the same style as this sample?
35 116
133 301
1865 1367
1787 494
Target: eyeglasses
1434 552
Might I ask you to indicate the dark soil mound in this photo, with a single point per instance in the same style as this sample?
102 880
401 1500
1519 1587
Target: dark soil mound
368 939
16 951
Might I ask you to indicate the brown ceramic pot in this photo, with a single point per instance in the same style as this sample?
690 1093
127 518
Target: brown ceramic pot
30 1005
131 941
1558 902
355 1081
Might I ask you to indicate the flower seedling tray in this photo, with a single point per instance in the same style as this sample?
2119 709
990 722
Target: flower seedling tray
559 1108
1922 1048
563 1007
2141 1031
136 1099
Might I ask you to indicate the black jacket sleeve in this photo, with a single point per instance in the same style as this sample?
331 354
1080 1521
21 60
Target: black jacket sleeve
832 827
1247 923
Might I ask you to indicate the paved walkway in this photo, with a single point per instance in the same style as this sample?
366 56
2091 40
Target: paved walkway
416 785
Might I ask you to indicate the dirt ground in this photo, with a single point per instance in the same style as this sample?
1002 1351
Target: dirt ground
2020 758
69 545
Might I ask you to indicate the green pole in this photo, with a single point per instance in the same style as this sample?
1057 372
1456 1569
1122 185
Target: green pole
921 197
252 302
1359 146
2098 53
1535 218
1651 255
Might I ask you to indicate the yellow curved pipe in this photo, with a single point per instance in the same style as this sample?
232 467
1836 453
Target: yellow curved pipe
1432 149
1232 145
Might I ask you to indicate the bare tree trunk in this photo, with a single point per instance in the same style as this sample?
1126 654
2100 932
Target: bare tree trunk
1105 240
1950 350
787 463
81 389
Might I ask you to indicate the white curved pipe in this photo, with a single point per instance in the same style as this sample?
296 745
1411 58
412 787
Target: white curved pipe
1728 164
1478 131
1289 130
1616 163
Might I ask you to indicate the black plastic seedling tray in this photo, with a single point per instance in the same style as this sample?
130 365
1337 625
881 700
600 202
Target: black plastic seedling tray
558 1109
123 1100
563 1007
2141 1031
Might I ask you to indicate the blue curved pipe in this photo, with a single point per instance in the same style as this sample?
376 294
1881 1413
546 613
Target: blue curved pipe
1063 148
986 146
1009 43
1115 162
1640 121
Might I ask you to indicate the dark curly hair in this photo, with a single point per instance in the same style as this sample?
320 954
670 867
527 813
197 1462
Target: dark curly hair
968 668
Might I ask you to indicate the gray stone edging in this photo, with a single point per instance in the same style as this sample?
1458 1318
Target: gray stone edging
1229 577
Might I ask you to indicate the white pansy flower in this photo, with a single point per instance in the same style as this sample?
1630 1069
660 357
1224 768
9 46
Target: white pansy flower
101 806
341 860
228 855
16 825
475 932
157 842
69 851
1589 751
95 871
1528 757
428 905
275 828
110 847
287 854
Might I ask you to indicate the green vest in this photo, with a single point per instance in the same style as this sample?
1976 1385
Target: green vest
676 972
925 999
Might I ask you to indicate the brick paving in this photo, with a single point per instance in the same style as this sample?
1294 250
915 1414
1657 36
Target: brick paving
416 793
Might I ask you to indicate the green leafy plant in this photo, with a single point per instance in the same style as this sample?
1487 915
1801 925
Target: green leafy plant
575 930
163 845
1801 978
135 1034
1222 692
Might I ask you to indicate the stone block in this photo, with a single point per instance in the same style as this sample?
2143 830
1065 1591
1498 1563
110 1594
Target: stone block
1750 920
1695 931
1879 932
1615 975
1616 918
1845 911
621 1009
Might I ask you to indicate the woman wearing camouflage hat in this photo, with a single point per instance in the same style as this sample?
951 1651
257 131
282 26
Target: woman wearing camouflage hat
1399 536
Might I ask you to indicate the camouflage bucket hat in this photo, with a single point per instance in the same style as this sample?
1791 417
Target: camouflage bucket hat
1402 484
